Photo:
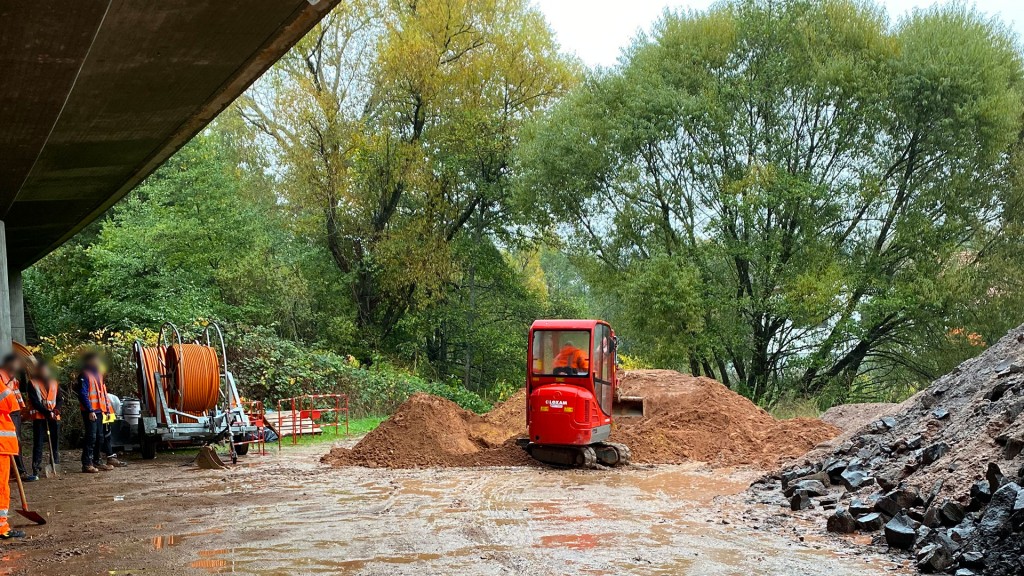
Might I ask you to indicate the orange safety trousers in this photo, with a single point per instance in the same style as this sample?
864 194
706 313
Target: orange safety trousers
5 492
8 448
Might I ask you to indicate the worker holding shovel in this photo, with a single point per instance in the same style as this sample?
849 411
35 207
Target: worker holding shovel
45 403
8 443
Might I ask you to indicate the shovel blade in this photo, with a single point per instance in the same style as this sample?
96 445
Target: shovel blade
32 516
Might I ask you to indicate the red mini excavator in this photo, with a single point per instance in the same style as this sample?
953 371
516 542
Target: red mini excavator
572 394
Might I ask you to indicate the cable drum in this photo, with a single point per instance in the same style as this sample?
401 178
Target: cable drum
194 384
148 361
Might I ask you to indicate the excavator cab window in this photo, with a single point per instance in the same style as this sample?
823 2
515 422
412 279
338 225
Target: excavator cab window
561 353
603 362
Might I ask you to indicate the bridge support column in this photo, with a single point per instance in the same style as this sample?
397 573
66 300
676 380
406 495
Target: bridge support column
18 332
6 332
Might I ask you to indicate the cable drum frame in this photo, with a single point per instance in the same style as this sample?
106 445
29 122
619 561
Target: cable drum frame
164 422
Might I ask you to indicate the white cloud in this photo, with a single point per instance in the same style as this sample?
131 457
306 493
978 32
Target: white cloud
598 30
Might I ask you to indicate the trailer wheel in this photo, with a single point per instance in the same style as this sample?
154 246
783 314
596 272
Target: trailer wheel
242 449
147 445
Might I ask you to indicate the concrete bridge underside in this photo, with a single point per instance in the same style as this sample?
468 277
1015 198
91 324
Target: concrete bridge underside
95 94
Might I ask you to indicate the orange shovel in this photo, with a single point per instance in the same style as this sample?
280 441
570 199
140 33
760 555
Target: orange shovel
33 516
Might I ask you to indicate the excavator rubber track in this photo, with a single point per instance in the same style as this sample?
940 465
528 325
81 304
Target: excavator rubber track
606 454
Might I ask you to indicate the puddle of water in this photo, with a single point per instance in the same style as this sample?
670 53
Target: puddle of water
629 522
171 540
577 541
695 487
7 558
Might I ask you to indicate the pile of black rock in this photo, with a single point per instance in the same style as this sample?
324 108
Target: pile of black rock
940 478
985 536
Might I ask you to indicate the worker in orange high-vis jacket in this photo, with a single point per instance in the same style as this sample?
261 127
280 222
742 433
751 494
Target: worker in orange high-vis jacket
44 401
92 395
11 375
8 443
570 357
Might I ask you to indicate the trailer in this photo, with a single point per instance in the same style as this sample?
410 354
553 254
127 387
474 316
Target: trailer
187 395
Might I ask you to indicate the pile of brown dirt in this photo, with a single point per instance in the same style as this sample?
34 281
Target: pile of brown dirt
428 431
695 418
686 419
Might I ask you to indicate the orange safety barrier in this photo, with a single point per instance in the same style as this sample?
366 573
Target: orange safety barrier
257 417
306 406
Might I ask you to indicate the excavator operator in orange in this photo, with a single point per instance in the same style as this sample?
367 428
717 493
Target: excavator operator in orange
571 360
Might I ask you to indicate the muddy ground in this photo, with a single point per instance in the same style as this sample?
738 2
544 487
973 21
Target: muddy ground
289 514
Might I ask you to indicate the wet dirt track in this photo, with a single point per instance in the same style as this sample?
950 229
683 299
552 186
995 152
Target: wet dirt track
290 515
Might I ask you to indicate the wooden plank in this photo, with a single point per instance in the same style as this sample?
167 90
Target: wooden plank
284 425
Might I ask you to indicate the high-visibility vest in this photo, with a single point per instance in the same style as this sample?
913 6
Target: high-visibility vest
8 434
48 394
98 400
12 383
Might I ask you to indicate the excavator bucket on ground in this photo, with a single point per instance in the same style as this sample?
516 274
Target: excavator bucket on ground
628 407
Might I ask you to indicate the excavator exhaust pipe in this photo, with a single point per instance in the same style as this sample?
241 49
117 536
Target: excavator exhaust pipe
628 407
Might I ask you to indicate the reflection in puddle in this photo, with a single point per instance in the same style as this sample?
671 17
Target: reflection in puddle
168 541
7 558
576 541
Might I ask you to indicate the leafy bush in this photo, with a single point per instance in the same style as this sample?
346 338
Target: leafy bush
271 368
266 367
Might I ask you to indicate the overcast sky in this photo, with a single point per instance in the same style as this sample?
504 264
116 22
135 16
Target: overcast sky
596 30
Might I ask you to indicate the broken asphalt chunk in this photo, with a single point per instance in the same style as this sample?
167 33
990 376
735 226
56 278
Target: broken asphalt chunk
995 477
842 522
872 522
934 452
854 480
951 513
901 532
995 522
800 502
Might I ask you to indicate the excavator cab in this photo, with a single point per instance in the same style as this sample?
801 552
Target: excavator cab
572 393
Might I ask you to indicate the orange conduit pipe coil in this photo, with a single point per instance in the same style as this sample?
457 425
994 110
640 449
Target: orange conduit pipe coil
195 375
148 361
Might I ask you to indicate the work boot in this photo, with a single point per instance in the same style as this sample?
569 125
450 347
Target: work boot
29 478
89 470
104 467
12 534
113 461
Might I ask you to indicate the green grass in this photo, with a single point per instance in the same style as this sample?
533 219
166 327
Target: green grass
356 427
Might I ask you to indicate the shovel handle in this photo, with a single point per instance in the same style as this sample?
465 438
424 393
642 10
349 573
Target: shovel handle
21 487
49 449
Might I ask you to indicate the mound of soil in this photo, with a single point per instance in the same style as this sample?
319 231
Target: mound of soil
695 418
428 431
686 419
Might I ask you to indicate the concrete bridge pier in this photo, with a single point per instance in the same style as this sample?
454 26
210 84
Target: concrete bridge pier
6 332
12 304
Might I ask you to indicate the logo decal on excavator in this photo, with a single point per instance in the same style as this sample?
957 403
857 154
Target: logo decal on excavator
556 403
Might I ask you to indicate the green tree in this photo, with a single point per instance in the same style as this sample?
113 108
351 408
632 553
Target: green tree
393 125
200 238
794 194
